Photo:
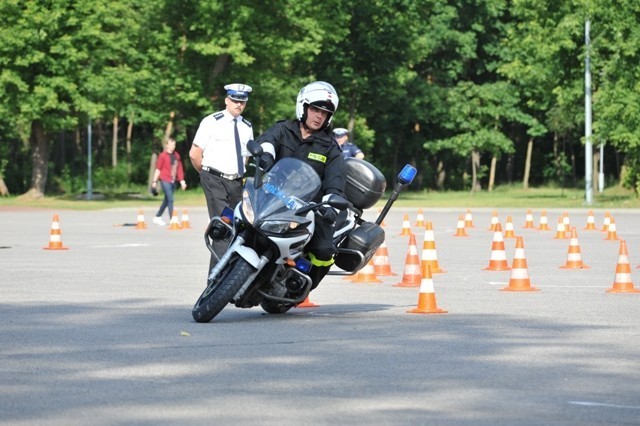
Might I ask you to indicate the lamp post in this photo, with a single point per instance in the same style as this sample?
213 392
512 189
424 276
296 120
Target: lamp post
89 183
588 148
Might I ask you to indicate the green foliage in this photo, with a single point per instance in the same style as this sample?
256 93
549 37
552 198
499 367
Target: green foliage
557 168
424 82
68 183
113 180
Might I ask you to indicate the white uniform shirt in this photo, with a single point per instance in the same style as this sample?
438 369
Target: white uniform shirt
216 138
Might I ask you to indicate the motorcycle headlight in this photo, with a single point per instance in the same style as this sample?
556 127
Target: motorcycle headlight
278 226
247 208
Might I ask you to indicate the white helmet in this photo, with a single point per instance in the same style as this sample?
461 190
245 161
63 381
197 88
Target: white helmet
319 94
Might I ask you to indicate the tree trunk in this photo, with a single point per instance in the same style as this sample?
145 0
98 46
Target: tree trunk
4 191
441 175
556 156
352 115
114 143
510 168
129 133
218 68
168 129
152 168
492 173
39 161
574 176
527 164
78 143
475 165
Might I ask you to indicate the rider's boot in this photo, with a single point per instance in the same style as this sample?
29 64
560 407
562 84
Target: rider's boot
317 273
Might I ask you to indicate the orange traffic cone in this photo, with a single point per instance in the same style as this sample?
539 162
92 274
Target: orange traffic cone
519 280
185 220
174 224
612 234
141 224
406 226
307 304
420 219
429 255
412 275
508 229
498 261
567 223
528 222
574 257
494 221
460 232
544 224
468 219
591 222
55 236
560 234
427 297
381 264
622 282
606 221
366 275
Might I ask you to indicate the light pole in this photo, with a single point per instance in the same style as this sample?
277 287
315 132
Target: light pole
588 148
89 183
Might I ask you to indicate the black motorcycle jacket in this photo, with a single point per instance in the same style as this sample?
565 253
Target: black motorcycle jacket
320 150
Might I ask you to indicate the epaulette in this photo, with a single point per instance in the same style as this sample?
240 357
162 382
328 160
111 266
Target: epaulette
218 115
245 121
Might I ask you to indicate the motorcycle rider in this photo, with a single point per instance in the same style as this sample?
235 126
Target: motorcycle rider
308 138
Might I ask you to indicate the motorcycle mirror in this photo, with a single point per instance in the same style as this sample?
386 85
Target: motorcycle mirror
407 174
254 148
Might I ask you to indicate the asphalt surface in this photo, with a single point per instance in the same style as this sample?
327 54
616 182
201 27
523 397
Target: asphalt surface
102 333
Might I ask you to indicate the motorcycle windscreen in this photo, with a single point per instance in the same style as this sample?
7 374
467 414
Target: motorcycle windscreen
289 185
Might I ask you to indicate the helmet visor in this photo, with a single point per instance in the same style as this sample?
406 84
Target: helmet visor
324 105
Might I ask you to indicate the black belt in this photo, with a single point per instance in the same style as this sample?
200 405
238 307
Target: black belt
218 173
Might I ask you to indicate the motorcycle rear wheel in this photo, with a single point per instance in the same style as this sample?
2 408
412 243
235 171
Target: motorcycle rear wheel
221 289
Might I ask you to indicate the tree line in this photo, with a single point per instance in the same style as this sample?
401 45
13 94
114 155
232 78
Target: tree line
474 93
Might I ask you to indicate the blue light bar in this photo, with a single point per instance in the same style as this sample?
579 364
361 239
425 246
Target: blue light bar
407 174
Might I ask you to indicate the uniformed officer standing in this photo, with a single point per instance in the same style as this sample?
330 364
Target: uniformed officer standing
219 154
349 150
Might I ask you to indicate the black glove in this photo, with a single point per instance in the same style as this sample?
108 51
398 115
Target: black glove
327 214
266 161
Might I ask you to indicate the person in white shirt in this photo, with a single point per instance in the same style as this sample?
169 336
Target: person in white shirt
219 154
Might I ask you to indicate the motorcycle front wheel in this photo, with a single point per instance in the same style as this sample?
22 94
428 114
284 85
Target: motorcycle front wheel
221 289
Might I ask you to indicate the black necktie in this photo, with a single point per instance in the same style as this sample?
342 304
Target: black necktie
238 149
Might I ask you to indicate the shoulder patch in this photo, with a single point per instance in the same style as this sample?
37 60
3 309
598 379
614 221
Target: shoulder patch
218 115
245 121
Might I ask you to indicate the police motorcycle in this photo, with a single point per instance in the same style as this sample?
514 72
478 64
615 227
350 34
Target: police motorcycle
264 263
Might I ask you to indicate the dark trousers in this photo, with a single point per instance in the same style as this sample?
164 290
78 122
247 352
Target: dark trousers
322 248
219 193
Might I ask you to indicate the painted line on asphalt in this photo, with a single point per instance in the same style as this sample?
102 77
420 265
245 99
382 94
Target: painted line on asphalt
123 245
601 404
